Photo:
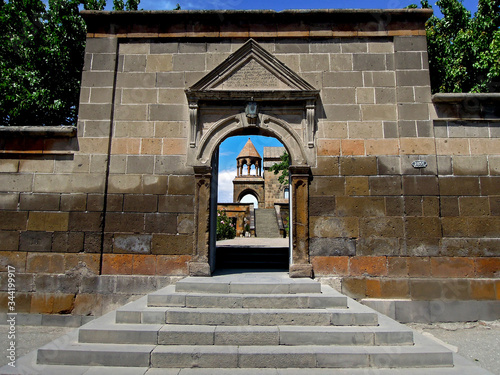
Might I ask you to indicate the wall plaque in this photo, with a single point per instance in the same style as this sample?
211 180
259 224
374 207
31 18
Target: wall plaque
419 164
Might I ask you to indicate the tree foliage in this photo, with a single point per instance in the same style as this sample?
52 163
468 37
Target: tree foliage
225 227
41 58
464 51
282 168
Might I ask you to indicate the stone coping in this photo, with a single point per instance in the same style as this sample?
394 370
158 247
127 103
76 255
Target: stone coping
257 23
39 131
461 97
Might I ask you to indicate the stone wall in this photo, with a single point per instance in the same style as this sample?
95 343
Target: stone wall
117 198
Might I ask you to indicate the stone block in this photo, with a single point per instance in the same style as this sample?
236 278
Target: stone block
413 111
385 185
357 186
358 166
322 206
332 247
379 79
365 95
330 265
412 78
482 290
490 185
374 112
134 63
132 244
452 146
170 79
382 227
35 241
144 265
423 227
474 206
385 95
370 62
342 112
291 46
117 264
171 96
343 79
166 244
85 221
483 226
161 223
360 206
139 96
444 165
176 203
103 62
328 147
171 164
420 185
407 128
185 224
101 45
430 206
95 202
16 182
487 267
388 165
140 203
408 60
345 95
394 206
352 147
97 79
9 201
125 184
417 146
173 265
125 222
9 241
452 267
459 186
69 183
12 220
424 128
354 287
164 112
67 242
425 289
132 112
454 226
48 221
419 267
334 227
368 246
140 164
327 186
45 263
327 166
181 185
455 289
314 63
413 311
397 267
410 43
368 266
136 80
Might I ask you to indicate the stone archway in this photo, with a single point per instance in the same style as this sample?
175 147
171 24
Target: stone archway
299 177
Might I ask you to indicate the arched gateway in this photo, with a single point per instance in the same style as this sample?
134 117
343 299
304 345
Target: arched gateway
251 93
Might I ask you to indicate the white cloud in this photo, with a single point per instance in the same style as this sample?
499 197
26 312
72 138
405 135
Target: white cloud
226 178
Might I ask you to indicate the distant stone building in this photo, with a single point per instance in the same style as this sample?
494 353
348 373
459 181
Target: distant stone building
265 187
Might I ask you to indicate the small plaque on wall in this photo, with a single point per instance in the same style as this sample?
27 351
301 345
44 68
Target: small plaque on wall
419 164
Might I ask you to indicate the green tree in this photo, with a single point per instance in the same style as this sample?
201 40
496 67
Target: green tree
41 58
464 51
281 168
225 228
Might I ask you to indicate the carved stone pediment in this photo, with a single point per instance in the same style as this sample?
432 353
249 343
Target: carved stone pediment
251 68
252 75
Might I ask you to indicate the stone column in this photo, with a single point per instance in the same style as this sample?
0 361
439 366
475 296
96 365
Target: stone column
199 266
299 178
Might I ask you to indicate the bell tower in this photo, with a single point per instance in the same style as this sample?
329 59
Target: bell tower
247 182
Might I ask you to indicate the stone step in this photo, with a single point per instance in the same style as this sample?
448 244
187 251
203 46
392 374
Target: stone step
255 284
230 356
78 354
242 335
168 297
239 317
202 356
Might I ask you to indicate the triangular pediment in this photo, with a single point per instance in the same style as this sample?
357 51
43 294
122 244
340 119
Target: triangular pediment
252 68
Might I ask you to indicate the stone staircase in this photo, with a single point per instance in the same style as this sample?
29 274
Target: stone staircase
266 225
246 323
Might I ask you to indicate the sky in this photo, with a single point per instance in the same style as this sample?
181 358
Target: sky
286 4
